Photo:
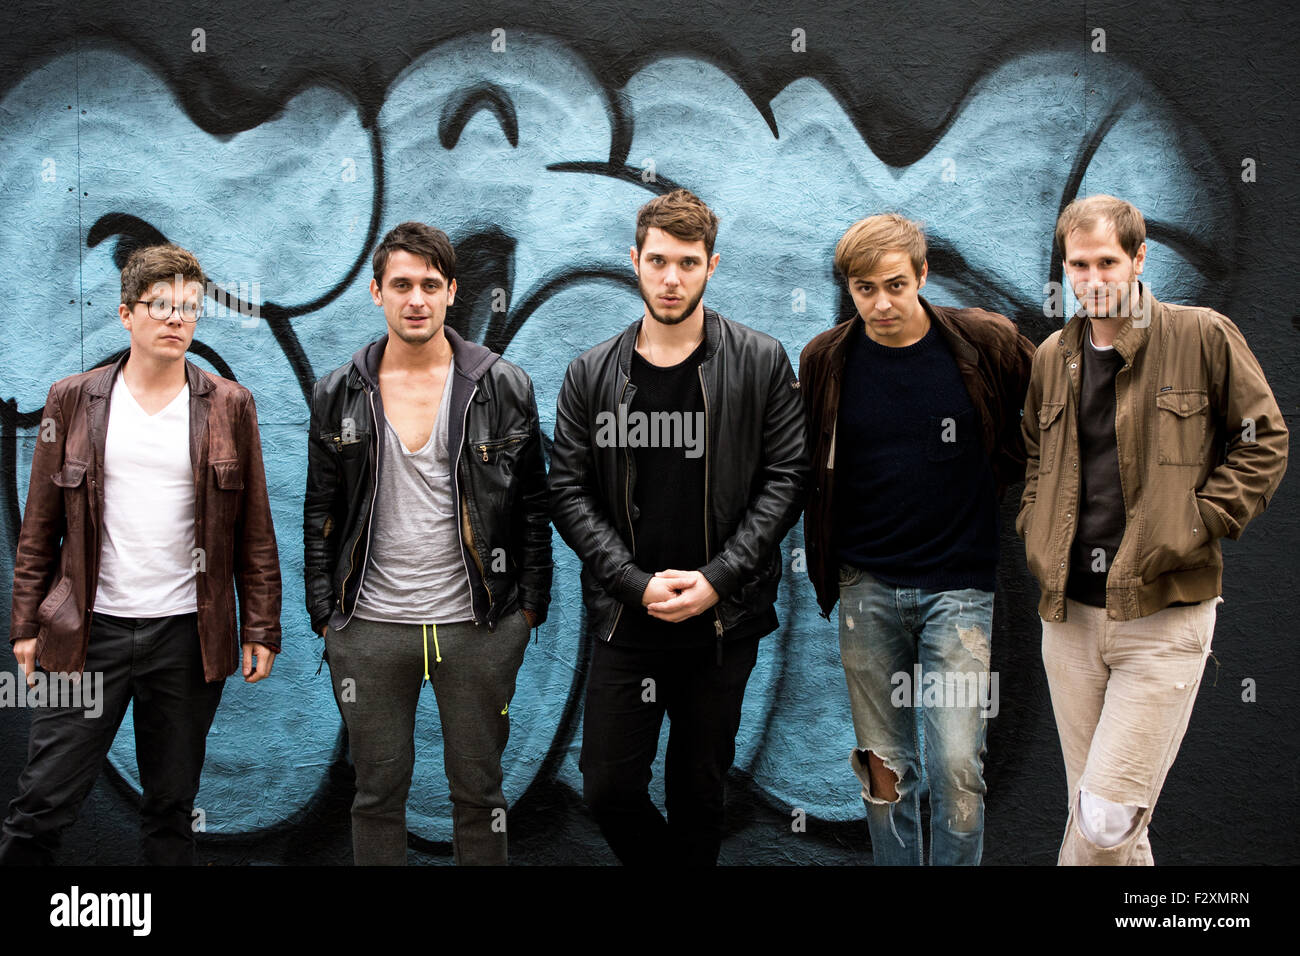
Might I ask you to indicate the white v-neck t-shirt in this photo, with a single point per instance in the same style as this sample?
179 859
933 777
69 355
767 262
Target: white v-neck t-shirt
146 564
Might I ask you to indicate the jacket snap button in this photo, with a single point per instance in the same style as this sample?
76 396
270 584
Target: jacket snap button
1074 365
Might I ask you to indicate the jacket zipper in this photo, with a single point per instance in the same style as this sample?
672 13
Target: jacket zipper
469 499
1122 491
478 558
1065 578
460 450
370 519
708 551
627 507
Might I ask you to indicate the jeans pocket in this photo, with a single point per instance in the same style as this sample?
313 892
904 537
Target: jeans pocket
1192 627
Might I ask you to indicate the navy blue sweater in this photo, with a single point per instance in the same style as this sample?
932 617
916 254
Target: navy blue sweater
915 504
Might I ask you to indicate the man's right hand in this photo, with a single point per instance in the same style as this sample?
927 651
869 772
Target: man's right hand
657 591
25 651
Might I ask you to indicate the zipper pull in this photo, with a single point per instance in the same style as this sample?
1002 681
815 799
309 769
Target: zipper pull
483 449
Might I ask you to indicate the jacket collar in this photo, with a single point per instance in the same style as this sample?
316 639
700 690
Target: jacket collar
100 389
961 348
627 343
102 384
1133 334
471 359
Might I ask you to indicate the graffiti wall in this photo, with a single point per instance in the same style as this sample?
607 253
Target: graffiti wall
279 146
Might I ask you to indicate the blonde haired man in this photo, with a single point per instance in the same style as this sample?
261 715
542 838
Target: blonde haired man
914 418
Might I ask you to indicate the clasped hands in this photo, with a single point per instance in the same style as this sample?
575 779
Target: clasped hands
677 595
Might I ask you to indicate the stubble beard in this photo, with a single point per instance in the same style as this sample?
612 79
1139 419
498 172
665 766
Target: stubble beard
669 320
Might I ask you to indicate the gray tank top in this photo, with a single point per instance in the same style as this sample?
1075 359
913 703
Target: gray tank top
415 572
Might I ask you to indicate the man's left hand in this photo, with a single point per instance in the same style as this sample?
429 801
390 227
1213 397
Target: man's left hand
256 671
694 595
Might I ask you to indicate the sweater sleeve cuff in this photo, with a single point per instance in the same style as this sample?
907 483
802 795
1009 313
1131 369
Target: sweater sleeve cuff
721 577
631 588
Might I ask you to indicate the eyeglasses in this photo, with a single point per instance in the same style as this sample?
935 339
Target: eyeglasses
161 310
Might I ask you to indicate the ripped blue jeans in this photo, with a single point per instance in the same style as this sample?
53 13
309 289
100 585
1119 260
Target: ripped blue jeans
913 655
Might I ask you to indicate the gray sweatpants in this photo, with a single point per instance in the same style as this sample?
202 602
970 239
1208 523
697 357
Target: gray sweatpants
377 670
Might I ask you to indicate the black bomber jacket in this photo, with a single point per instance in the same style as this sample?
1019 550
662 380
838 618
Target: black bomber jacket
499 478
756 471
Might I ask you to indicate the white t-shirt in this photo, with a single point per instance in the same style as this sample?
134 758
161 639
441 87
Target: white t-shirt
146 565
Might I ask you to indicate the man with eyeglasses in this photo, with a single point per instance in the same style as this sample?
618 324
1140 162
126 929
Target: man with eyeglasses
146 511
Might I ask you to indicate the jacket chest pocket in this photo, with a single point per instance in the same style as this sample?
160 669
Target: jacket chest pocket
228 488
348 443
76 502
1182 426
1051 429
501 454
493 470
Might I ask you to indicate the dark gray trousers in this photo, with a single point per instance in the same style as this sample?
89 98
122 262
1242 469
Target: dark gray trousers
377 670
157 663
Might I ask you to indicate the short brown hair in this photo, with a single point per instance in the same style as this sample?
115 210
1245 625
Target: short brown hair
152 264
861 247
681 214
427 242
1085 214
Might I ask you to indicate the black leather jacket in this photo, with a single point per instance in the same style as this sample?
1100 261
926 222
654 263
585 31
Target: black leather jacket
756 471
499 479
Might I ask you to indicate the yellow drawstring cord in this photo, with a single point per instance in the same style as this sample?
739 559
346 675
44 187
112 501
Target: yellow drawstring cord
436 650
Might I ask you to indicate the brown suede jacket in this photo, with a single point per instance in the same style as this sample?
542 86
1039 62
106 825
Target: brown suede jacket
56 569
994 361
1202 448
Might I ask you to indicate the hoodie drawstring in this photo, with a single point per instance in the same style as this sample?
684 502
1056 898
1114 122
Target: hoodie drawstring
437 652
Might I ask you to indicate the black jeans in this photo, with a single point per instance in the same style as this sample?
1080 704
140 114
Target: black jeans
156 662
628 692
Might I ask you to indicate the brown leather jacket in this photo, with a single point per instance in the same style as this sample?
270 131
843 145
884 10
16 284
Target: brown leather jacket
1189 389
994 361
55 583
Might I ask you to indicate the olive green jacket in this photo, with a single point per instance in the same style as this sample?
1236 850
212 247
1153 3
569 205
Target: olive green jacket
1202 448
